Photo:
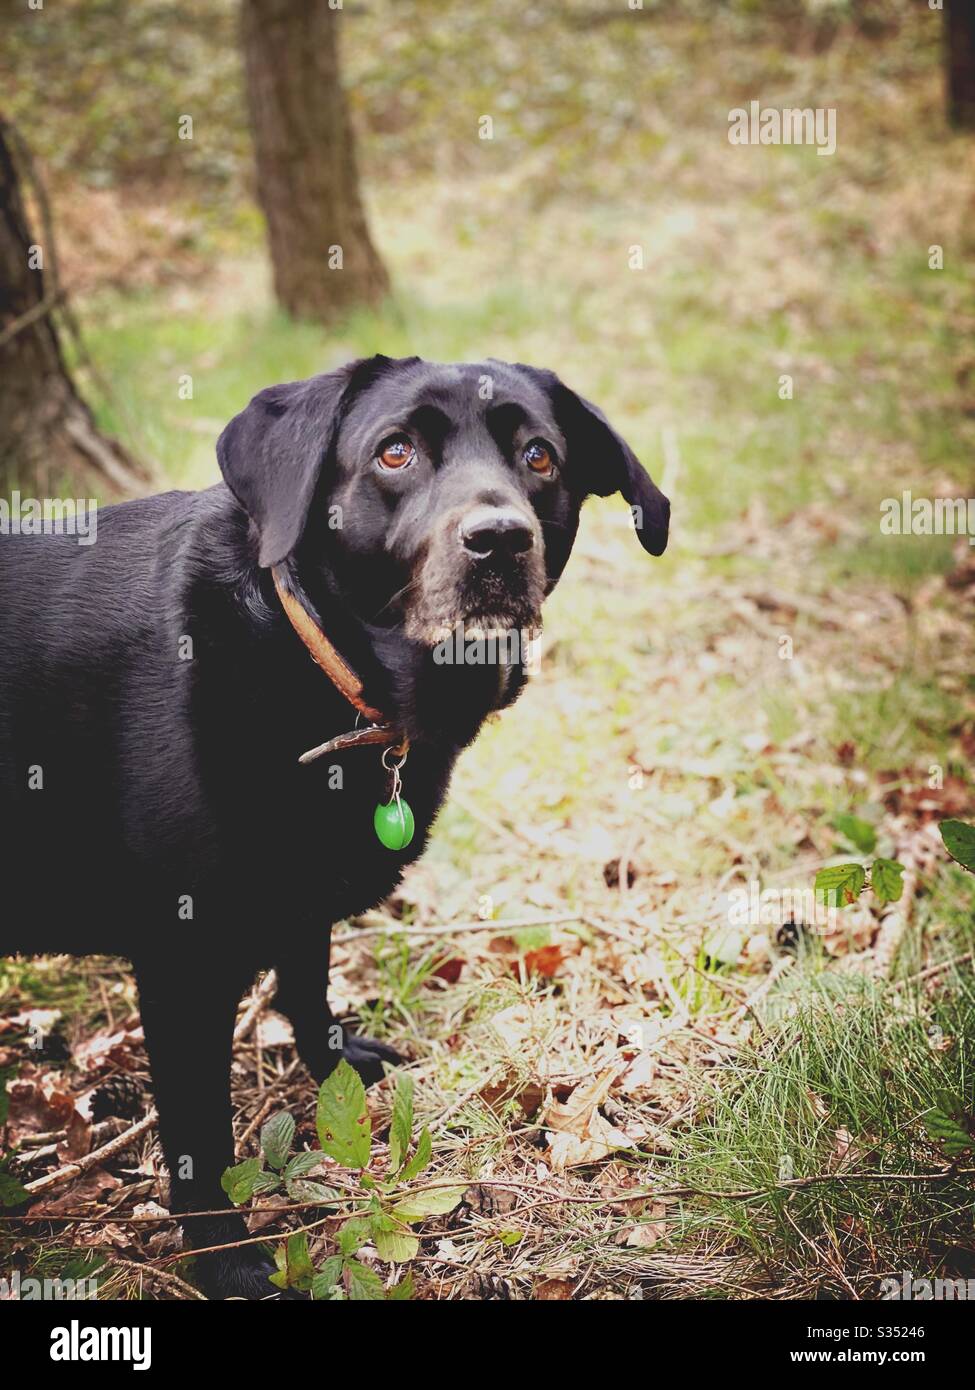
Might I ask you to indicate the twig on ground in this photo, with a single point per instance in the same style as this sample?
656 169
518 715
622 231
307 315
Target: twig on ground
260 1000
162 1277
91 1160
453 928
107 1129
574 1199
455 1105
757 995
938 969
268 1103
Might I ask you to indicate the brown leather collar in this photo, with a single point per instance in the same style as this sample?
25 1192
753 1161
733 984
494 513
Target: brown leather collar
342 676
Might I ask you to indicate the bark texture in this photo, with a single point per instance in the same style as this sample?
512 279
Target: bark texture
960 62
48 436
307 176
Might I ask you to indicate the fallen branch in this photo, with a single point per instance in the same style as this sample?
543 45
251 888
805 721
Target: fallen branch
453 928
272 1098
260 1000
930 971
162 1277
91 1160
107 1129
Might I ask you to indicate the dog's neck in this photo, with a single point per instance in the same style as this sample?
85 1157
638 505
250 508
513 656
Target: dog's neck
322 651
397 678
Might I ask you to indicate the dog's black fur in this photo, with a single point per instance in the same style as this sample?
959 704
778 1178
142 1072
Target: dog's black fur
170 775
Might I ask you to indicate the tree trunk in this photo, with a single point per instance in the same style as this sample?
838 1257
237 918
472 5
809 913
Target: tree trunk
307 180
49 441
960 62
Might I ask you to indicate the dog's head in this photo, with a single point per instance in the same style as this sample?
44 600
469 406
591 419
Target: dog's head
432 494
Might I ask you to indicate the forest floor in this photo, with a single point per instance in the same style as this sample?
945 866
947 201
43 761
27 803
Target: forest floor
643 1096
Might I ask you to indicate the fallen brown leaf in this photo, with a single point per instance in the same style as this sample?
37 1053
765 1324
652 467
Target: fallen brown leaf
646 1234
578 1133
549 1290
88 1188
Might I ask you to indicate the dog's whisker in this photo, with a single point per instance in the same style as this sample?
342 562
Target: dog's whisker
413 584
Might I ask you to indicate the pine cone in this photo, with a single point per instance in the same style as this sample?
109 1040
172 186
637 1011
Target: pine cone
120 1096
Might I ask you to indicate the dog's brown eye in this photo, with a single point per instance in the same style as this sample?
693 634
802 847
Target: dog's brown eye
537 457
396 452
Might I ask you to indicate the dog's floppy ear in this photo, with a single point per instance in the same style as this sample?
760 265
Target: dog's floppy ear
601 462
271 454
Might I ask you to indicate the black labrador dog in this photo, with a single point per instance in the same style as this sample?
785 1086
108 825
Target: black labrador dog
156 694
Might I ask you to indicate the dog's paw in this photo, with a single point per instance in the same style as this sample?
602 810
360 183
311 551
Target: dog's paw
241 1273
367 1055
364 1054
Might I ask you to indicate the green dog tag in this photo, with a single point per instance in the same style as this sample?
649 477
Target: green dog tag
394 824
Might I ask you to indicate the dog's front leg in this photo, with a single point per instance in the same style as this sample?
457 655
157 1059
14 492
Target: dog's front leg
188 1009
302 995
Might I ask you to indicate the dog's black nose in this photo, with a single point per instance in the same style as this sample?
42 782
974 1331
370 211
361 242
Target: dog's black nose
488 530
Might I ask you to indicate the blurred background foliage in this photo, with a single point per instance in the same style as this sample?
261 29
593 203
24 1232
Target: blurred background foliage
587 89
610 128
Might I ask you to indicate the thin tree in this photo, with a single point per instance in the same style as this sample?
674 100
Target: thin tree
48 436
960 62
323 259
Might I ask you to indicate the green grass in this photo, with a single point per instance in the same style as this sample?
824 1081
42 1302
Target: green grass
843 1086
738 440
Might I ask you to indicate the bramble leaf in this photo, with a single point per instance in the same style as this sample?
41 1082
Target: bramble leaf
276 1137
342 1118
365 1285
436 1201
841 883
266 1182
420 1159
401 1128
401 1291
355 1232
305 1190
328 1277
301 1165
301 1271
887 880
239 1182
280 1276
397 1246
959 838
945 1123
12 1193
